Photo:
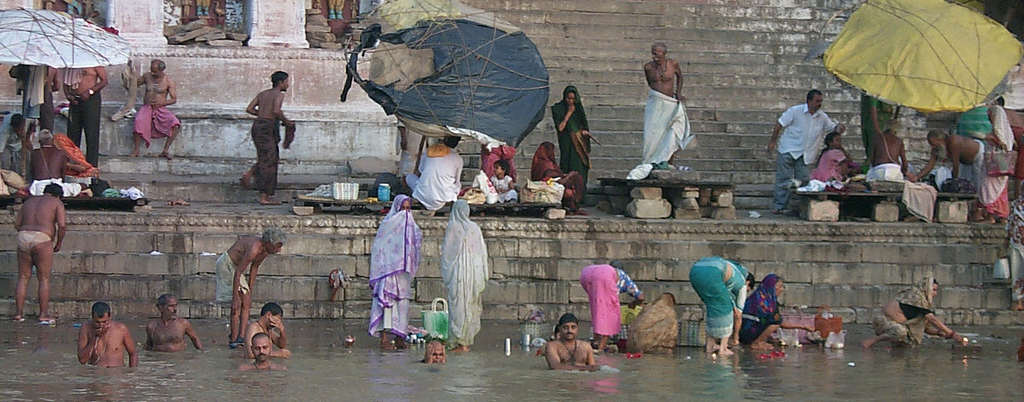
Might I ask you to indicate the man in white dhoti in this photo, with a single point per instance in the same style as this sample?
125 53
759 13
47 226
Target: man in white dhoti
799 145
666 128
440 180
465 272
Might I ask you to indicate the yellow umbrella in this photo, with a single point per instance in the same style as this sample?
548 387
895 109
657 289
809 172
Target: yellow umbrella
926 54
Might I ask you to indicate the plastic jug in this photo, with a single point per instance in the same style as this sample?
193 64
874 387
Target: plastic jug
435 321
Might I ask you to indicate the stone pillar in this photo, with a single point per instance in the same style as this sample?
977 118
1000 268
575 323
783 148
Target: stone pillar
140 22
277 23
15 4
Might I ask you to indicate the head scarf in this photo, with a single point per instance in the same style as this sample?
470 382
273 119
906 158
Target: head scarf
764 303
544 165
489 155
578 120
463 249
396 248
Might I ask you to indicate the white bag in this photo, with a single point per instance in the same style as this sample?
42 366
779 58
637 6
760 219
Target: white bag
485 185
836 340
640 172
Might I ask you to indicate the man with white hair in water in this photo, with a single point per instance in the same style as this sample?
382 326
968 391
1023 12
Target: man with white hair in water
567 352
233 285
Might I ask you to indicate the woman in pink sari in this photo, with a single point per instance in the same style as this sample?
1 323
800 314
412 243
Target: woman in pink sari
394 259
603 283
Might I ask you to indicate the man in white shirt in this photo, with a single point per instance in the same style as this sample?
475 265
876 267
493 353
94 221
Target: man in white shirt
803 129
441 176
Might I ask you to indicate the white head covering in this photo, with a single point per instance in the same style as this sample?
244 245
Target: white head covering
464 271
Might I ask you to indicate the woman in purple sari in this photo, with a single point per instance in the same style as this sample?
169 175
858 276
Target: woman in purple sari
394 258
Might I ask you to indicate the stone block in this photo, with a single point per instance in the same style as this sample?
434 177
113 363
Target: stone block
317 28
316 19
951 212
190 35
506 312
215 35
239 36
724 213
689 203
554 214
886 212
320 36
821 211
500 292
427 289
224 43
724 199
302 211
371 165
645 193
544 292
675 174
683 213
649 209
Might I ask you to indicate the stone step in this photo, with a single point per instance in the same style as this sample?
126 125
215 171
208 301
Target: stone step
219 188
677 46
586 79
706 29
198 165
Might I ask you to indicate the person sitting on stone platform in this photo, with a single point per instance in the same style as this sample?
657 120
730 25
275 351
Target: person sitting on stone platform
167 333
566 351
48 166
905 319
440 175
761 314
260 351
154 120
503 182
269 323
245 256
834 163
889 157
544 168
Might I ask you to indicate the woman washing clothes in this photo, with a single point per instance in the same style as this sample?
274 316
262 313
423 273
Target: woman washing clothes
603 283
545 168
761 317
909 316
721 285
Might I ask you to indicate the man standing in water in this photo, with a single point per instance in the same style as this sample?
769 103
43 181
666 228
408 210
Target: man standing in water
167 334
40 218
266 134
566 352
233 285
154 120
666 127
260 352
103 341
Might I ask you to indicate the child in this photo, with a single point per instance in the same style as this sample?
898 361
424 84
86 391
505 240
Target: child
503 183
833 164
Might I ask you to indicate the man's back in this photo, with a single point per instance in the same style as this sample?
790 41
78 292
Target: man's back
48 163
888 150
41 213
268 103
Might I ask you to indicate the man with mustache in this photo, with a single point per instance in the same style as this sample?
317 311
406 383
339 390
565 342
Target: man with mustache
261 355
167 333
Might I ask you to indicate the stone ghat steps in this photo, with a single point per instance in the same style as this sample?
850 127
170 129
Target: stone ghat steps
217 188
185 165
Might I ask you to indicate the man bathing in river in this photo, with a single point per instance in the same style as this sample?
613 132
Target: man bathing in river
260 351
103 341
234 285
270 324
566 352
40 219
167 334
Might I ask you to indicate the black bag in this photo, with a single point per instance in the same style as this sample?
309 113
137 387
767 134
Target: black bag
959 186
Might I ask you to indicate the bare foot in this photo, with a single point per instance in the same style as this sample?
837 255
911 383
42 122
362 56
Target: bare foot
760 345
17 318
266 200
725 352
866 344
461 349
710 347
166 155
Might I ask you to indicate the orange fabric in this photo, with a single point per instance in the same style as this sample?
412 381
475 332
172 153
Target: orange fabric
74 153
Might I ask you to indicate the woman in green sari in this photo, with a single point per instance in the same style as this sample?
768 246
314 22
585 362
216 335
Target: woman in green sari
573 133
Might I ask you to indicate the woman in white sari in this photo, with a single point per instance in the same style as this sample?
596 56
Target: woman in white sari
465 272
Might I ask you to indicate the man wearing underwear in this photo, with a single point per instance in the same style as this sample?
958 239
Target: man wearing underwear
167 333
566 352
40 218
245 256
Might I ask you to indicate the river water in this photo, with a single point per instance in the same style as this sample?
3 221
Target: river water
40 364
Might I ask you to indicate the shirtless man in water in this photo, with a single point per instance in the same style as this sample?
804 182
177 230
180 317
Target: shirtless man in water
103 341
566 352
663 74
40 218
260 352
154 120
167 334
269 323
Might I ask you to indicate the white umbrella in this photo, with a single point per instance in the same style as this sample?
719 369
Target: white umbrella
50 38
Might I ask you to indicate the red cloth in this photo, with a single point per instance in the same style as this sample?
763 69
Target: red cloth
1001 207
74 153
503 152
153 122
544 167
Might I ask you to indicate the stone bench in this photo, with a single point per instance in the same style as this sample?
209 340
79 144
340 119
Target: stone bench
662 198
305 205
93 203
825 206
